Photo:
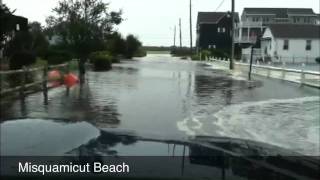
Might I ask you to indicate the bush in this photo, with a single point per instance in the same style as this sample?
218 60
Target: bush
115 58
101 61
205 54
23 58
195 57
58 57
140 53
318 60
219 53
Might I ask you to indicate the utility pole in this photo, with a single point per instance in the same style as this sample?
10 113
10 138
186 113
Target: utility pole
232 35
180 33
174 36
191 27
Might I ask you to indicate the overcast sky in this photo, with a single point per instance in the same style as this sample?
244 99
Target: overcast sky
153 20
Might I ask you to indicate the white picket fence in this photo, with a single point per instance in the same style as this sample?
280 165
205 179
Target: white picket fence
303 77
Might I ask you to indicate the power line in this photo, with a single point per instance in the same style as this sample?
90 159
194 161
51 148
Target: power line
220 5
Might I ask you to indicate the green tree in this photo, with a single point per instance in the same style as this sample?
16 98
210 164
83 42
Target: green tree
116 44
29 43
39 42
133 45
83 25
6 25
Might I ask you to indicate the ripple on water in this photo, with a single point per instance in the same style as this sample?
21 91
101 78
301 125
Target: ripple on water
290 123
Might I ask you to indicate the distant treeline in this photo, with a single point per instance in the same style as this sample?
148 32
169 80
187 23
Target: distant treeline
157 48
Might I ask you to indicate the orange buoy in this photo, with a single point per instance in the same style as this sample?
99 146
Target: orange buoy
54 75
70 80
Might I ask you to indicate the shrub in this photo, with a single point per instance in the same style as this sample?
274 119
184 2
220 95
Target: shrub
101 61
205 54
195 57
140 53
219 53
318 60
23 58
58 57
115 58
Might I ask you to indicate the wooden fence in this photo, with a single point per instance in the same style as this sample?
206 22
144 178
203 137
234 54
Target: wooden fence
23 74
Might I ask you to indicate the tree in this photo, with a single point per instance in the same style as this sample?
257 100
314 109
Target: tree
5 27
83 25
116 44
30 43
40 43
133 45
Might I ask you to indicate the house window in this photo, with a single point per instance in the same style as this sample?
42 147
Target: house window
219 29
286 45
223 30
308 46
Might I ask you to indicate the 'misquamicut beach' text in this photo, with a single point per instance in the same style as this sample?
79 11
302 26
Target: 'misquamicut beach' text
95 167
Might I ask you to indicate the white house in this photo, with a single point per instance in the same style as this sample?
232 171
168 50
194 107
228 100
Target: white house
291 43
255 20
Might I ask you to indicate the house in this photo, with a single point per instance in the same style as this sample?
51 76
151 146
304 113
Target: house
255 20
291 43
9 26
318 19
214 30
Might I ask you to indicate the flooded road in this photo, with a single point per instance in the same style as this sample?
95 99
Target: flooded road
165 97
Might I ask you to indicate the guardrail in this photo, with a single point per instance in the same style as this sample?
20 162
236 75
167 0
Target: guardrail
23 86
304 77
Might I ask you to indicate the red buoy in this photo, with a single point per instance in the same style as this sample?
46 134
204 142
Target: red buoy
54 75
70 80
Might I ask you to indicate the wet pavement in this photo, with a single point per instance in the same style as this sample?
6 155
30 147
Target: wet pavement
159 96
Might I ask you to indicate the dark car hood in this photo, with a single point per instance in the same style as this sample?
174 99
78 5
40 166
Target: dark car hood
194 157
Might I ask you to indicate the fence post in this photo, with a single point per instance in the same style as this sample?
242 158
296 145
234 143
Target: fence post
269 69
283 70
45 83
303 76
67 72
23 81
293 60
307 58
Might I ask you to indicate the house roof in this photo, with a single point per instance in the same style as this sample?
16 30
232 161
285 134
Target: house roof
295 31
212 17
9 22
280 12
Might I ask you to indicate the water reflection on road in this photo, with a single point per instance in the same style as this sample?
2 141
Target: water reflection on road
161 96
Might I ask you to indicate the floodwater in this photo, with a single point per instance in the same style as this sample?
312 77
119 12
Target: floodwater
165 97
